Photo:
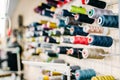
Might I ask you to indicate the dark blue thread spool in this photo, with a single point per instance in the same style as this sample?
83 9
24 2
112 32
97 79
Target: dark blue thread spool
61 23
104 41
109 20
96 3
67 13
50 39
83 18
85 74
62 49
47 13
76 30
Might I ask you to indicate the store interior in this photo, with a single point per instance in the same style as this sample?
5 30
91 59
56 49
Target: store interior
59 40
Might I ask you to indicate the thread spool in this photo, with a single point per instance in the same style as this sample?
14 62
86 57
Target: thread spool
94 29
76 9
83 18
38 9
55 3
96 3
50 40
106 77
93 53
44 33
34 24
61 23
83 1
84 74
43 21
52 54
75 52
104 41
71 21
62 49
95 13
67 13
52 25
66 39
47 6
47 13
108 20
65 31
58 61
80 40
38 50
76 30
55 33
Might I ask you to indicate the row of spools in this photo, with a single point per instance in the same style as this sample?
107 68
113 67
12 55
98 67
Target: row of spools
69 30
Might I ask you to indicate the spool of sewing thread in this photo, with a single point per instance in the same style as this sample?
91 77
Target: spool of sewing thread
76 30
58 61
61 23
84 74
94 29
52 25
38 9
34 24
55 3
62 49
93 53
52 54
75 52
47 6
83 1
55 33
106 77
65 31
76 9
80 40
71 21
97 40
66 39
95 13
67 13
43 21
108 21
83 18
50 40
44 33
96 3
38 50
47 13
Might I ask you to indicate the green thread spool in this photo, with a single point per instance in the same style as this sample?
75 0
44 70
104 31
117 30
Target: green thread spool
76 9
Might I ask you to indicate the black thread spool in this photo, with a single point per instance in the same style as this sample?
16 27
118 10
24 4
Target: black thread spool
47 13
76 30
65 31
44 33
67 13
109 20
83 18
50 39
72 21
75 52
104 41
62 49
96 3
52 54
45 6
35 24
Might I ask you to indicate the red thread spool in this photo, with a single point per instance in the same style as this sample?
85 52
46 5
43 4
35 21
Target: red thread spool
83 1
60 3
81 40
9 31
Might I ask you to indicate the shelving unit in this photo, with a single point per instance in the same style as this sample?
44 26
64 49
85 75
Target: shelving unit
109 65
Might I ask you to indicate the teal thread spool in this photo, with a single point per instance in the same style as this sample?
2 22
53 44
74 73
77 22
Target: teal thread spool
76 9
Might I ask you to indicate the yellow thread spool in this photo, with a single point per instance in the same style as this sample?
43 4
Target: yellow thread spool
46 77
107 77
52 25
52 9
56 73
38 50
43 22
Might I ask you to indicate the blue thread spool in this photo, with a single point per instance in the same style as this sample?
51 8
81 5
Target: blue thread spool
83 18
85 74
47 13
76 30
104 41
61 23
50 39
67 13
108 20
